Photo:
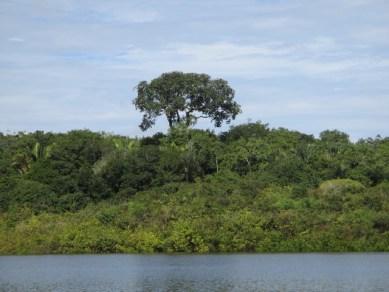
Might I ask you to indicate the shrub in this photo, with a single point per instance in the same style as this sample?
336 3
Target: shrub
340 186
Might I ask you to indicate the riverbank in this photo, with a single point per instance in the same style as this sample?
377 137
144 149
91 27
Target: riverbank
207 217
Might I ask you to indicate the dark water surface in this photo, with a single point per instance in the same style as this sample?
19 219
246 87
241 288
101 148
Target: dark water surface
238 272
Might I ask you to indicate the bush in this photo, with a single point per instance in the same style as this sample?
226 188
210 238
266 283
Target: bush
31 194
340 194
340 187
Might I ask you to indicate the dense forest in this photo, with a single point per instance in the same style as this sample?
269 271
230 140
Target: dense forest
249 189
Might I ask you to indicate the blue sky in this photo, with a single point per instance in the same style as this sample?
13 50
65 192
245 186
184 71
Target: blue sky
305 65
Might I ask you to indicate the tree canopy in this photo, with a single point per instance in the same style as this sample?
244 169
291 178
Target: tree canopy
184 98
251 188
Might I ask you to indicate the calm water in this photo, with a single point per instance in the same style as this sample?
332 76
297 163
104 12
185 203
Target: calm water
247 272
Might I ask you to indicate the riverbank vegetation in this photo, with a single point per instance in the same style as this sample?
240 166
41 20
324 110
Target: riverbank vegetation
250 189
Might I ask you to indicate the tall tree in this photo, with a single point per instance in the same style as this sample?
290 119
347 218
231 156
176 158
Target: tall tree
185 97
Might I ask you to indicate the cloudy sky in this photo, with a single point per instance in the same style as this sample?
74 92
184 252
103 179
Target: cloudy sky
305 65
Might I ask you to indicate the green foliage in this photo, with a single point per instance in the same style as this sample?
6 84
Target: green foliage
339 194
184 238
16 193
338 187
250 189
185 97
246 131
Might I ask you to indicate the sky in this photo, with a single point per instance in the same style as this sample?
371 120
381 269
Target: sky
304 65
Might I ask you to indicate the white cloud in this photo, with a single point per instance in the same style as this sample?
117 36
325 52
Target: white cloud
373 35
322 45
137 16
226 51
271 22
16 40
123 12
321 105
321 58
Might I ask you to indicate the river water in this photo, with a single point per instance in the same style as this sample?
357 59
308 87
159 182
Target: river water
236 272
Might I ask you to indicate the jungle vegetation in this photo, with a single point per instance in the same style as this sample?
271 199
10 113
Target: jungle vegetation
249 189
